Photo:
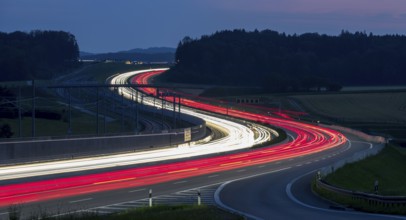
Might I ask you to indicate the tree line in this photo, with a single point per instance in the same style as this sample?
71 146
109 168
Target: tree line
37 54
280 62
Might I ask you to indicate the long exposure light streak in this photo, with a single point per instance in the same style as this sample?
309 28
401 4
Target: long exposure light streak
238 137
308 139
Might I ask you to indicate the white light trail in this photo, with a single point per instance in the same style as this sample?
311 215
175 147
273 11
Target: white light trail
238 137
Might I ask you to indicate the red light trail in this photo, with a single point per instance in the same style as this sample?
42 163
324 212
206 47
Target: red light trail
309 139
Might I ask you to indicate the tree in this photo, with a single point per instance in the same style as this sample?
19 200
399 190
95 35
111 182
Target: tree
36 55
290 62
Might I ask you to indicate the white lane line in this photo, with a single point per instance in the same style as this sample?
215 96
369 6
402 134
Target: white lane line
212 176
221 204
180 182
299 165
262 166
137 190
80 200
4 213
239 171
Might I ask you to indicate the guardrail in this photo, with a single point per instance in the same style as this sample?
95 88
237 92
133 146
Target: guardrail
366 201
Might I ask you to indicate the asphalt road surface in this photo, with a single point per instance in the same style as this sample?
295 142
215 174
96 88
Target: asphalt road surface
287 194
258 192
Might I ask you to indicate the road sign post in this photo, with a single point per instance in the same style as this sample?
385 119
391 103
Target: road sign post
199 200
188 135
150 197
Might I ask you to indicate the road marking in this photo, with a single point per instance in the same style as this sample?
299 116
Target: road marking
222 186
212 176
288 191
239 171
80 200
179 182
262 166
137 190
309 162
4 213
299 165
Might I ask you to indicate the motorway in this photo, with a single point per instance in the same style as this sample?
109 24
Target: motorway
263 196
258 191
286 194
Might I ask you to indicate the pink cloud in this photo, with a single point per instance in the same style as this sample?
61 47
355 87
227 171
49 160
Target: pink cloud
315 6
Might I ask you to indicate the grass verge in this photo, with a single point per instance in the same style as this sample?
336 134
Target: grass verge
388 167
177 212
360 176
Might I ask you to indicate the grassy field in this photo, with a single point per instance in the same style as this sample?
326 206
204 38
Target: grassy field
360 176
388 167
179 212
47 100
82 124
376 107
375 113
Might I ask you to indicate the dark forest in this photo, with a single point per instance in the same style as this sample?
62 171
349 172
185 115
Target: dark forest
37 54
279 62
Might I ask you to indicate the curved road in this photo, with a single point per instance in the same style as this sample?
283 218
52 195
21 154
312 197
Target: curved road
263 196
287 194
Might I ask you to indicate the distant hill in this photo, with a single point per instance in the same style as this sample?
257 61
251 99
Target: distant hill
83 53
153 54
152 50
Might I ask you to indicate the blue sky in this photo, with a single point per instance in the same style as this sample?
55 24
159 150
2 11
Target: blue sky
106 26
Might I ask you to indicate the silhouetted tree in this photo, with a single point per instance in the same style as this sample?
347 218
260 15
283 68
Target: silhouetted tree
36 55
280 62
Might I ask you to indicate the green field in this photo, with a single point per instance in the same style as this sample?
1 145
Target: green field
388 167
178 212
388 107
360 176
47 100
377 113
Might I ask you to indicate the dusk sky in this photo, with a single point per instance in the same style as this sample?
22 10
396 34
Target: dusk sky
109 26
